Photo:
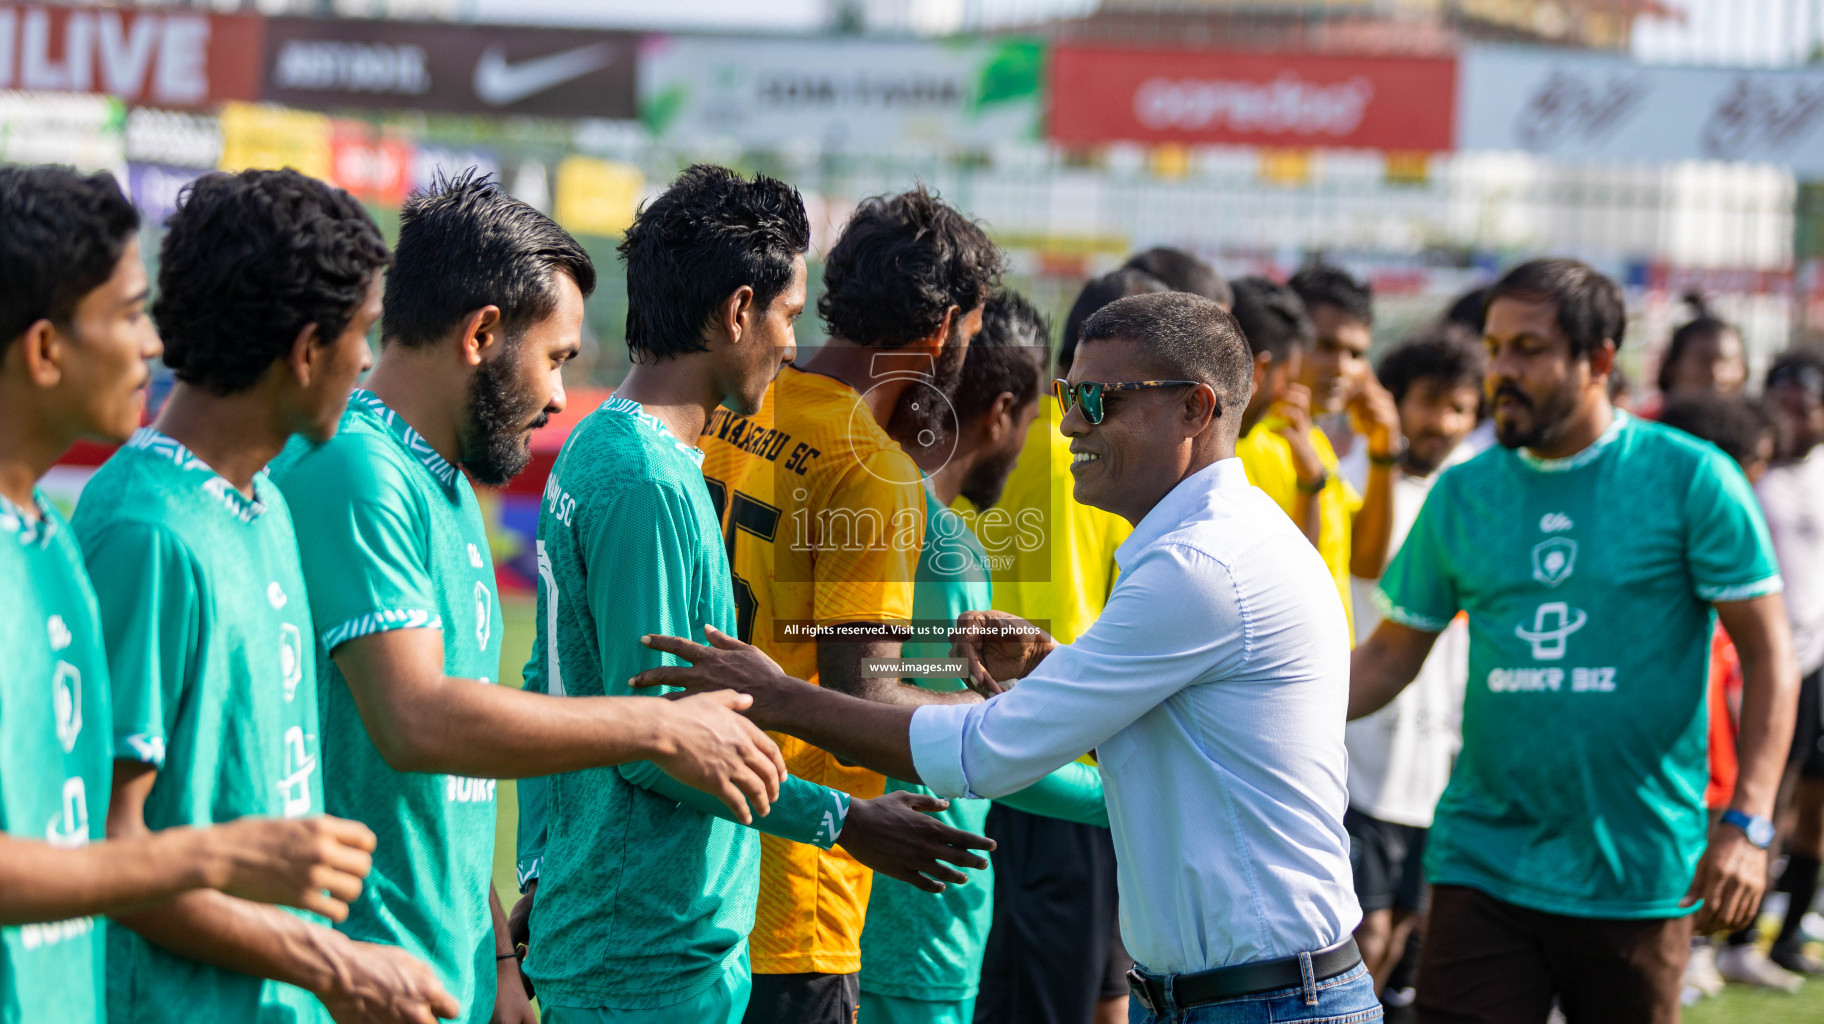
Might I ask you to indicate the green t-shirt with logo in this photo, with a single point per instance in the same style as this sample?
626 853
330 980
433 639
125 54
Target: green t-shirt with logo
207 625
928 946
392 538
1588 582
646 890
55 755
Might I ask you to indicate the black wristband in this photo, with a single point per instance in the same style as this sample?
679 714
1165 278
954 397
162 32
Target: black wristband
1391 458
1315 486
507 956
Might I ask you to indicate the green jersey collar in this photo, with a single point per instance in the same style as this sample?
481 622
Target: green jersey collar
413 441
29 532
629 407
214 484
1582 458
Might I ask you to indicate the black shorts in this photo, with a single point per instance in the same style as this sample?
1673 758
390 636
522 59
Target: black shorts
1808 732
804 999
1389 863
1054 950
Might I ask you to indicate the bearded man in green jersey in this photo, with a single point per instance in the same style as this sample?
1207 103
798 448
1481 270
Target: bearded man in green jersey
74 340
645 892
268 281
484 306
1594 554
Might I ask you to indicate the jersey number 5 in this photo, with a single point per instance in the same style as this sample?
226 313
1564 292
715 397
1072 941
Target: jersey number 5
757 518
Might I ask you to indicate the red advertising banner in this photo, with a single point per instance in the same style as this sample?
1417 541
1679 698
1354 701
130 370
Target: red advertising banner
165 58
1251 99
372 167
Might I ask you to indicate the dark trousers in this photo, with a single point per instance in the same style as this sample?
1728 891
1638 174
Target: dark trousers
1490 962
1053 951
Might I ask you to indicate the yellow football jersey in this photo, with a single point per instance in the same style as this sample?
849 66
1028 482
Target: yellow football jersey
1053 559
824 515
1267 457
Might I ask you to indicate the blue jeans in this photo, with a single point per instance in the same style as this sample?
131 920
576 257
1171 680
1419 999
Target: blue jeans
1347 998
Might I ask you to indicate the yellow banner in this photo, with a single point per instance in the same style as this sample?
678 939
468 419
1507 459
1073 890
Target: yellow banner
261 136
597 197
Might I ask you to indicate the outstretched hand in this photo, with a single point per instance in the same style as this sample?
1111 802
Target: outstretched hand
707 745
896 835
997 647
728 665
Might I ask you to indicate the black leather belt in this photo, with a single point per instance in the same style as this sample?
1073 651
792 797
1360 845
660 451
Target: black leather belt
1186 990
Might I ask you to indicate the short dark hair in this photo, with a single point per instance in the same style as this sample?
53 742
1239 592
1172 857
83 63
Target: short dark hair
710 232
1188 337
1703 324
1470 309
1799 368
1734 424
1320 283
1098 292
1590 306
464 243
249 260
1010 355
900 263
1182 272
63 236
1443 354
1273 318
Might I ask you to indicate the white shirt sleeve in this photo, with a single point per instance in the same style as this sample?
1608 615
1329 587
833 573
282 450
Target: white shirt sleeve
1172 620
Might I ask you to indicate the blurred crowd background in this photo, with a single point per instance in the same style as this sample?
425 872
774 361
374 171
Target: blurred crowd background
1420 144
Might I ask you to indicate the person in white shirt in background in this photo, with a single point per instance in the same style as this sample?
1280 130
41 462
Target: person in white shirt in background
1400 756
1212 688
1792 498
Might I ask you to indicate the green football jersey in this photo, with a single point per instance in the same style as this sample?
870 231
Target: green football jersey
646 889
928 946
54 773
1588 583
207 625
392 538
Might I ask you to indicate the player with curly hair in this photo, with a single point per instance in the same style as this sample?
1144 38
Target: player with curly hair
824 504
268 283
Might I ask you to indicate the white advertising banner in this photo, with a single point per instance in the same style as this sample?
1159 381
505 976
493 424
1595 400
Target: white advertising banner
1591 107
841 93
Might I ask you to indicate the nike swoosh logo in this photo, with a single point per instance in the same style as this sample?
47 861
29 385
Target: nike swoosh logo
498 83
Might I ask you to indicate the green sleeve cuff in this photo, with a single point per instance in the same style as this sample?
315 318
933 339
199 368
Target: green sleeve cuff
804 813
1072 793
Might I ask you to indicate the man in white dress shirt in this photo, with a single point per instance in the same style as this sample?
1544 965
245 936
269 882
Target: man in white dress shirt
1213 689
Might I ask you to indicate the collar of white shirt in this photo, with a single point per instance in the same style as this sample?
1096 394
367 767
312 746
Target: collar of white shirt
1177 505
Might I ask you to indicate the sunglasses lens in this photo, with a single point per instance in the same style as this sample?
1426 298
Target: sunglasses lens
1089 393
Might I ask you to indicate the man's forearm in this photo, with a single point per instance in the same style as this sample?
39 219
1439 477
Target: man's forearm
873 735
497 732
842 666
1768 711
240 936
1384 664
1372 531
1770 689
39 882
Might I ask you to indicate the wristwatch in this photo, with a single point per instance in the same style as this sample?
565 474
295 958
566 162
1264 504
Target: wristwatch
1758 829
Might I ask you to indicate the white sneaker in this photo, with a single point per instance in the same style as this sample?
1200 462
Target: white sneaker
1700 972
1746 965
